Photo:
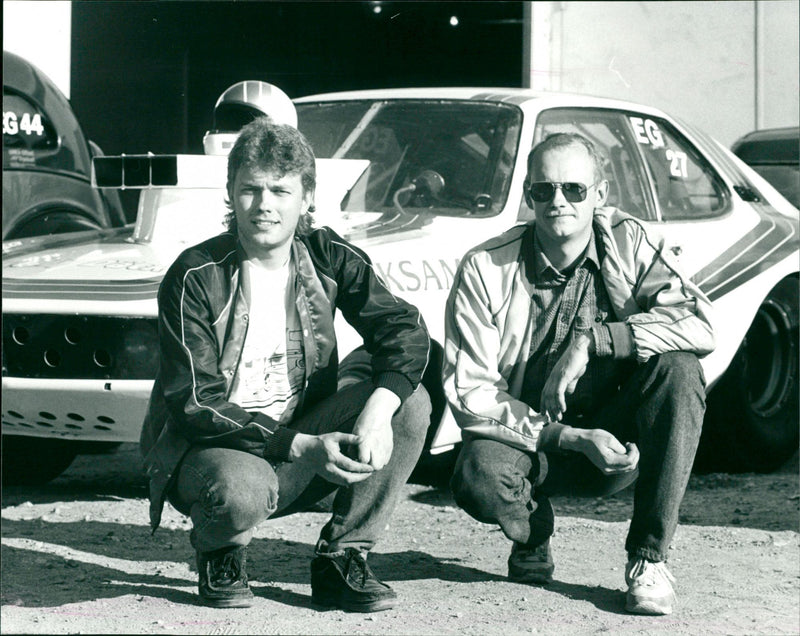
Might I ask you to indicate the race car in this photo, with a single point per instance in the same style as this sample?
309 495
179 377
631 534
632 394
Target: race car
415 177
47 160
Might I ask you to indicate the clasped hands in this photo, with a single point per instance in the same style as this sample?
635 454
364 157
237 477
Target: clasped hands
601 447
348 458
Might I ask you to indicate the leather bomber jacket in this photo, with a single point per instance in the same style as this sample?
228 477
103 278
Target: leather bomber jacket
202 322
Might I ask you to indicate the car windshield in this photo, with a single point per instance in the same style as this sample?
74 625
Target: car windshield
436 156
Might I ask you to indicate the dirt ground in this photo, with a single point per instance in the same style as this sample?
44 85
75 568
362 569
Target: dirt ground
77 557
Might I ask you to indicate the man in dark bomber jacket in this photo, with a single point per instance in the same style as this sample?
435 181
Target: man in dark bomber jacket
237 430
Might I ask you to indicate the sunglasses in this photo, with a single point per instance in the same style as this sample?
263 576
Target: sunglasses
544 191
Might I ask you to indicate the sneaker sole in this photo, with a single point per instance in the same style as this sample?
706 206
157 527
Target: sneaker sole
365 607
651 607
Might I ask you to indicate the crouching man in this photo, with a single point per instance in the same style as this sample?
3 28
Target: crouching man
245 421
571 365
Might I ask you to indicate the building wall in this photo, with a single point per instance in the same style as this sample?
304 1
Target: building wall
40 32
728 67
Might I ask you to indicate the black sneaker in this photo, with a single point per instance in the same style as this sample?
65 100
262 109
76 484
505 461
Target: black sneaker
223 578
347 582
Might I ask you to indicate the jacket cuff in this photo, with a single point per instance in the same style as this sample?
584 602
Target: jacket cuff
277 445
602 341
621 340
397 383
550 437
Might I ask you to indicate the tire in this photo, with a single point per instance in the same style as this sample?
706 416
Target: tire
751 421
31 461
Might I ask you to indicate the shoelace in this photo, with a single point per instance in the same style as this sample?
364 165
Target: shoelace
229 569
539 552
649 573
354 559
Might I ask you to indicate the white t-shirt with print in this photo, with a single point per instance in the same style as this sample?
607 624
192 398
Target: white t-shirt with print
271 371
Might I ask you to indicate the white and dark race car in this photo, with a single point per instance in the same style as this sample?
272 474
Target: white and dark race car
415 177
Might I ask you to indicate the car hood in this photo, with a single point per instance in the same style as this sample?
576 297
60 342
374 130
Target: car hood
88 256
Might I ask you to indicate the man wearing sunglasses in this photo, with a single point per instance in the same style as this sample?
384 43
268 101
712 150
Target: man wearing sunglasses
571 365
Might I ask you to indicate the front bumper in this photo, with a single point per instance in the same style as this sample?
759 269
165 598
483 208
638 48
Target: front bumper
87 410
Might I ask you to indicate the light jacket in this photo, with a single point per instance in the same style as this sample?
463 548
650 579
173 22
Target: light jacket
202 322
488 330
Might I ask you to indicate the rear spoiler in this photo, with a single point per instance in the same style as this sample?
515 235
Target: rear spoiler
159 171
335 177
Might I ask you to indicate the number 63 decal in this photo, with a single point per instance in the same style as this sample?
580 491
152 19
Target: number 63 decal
677 163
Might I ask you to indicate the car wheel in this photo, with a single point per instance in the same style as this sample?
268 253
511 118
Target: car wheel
29 461
55 222
752 417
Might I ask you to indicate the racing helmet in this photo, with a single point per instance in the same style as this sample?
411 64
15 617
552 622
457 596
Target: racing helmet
239 105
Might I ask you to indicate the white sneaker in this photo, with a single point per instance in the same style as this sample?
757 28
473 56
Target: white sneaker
649 587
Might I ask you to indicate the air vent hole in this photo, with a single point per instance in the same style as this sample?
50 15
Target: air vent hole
102 358
52 358
20 335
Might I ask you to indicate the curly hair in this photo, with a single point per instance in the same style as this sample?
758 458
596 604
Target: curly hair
272 147
563 140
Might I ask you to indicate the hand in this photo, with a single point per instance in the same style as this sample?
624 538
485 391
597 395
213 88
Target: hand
374 428
565 375
603 449
323 454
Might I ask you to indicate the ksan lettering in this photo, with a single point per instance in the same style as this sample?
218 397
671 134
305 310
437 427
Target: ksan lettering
28 124
412 276
647 132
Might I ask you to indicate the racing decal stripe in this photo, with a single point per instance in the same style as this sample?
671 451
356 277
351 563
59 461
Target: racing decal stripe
772 240
81 289
517 100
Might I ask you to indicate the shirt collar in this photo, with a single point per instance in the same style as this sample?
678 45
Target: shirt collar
543 270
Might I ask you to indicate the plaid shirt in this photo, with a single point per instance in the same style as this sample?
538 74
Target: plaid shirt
564 304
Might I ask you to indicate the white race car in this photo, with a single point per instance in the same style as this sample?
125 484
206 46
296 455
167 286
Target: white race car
415 177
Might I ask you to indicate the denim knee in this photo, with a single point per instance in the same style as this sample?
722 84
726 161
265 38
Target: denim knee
680 369
485 490
242 503
414 416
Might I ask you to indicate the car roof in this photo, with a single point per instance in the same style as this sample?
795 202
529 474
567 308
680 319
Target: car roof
771 145
507 95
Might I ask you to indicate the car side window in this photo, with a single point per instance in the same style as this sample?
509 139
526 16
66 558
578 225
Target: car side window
686 186
26 129
629 188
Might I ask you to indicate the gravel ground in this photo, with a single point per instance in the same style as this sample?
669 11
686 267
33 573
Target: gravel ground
77 557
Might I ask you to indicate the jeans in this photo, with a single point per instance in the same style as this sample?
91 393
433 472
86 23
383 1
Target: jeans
660 407
228 492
